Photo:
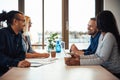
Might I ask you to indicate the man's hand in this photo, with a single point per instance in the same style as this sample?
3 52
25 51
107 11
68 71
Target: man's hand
24 64
80 52
73 48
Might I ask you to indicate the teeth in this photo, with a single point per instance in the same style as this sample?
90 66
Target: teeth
91 28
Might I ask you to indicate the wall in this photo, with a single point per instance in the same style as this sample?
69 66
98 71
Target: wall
114 6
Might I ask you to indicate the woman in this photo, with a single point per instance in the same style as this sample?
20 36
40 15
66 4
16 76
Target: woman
30 53
108 51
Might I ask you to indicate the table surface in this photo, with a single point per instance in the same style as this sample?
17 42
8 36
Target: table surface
55 69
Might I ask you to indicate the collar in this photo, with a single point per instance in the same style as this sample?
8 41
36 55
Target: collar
12 32
97 34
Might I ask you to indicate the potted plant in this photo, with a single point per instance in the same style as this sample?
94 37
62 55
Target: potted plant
52 41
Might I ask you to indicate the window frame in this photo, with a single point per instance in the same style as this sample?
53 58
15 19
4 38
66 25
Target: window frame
65 20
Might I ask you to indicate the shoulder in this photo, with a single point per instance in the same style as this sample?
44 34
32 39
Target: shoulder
28 38
109 35
3 31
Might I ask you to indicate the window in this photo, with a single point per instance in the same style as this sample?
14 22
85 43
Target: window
34 11
13 5
80 11
78 19
52 18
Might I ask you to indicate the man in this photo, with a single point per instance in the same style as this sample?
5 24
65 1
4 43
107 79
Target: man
12 52
93 31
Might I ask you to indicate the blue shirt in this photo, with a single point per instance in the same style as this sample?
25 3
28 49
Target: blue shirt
93 44
11 49
27 44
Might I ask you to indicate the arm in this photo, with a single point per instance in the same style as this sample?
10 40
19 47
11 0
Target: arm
4 59
75 50
103 51
30 50
102 54
7 56
32 54
37 55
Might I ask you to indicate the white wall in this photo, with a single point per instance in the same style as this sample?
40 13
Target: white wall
114 6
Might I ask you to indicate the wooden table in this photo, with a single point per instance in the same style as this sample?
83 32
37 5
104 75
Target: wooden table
57 70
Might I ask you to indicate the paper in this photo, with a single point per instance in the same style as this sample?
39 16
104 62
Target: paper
35 64
40 62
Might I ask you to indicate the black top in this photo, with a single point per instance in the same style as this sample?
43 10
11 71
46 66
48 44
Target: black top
11 49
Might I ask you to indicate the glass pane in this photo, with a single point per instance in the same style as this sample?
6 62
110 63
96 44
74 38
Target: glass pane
52 17
33 9
80 11
8 5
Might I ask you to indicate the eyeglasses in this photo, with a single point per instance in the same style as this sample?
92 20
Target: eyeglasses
91 25
30 22
20 19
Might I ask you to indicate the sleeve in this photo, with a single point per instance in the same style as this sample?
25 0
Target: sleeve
6 60
88 51
20 54
91 50
103 51
30 50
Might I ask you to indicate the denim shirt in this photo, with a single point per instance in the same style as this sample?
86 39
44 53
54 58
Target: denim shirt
93 44
27 44
11 49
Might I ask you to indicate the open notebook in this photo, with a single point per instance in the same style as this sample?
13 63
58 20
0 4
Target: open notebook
40 62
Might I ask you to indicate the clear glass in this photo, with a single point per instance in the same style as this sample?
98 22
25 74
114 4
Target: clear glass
62 46
80 11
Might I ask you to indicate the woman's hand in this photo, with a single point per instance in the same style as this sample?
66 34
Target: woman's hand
37 55
72 61
46 55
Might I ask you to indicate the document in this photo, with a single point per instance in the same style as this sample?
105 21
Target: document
35 64
40 62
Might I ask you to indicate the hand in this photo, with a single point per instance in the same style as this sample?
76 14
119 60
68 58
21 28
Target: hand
73 48
72 61
24 64
80 52
46 55
75 56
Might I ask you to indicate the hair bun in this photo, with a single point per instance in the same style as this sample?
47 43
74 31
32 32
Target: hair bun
3 16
